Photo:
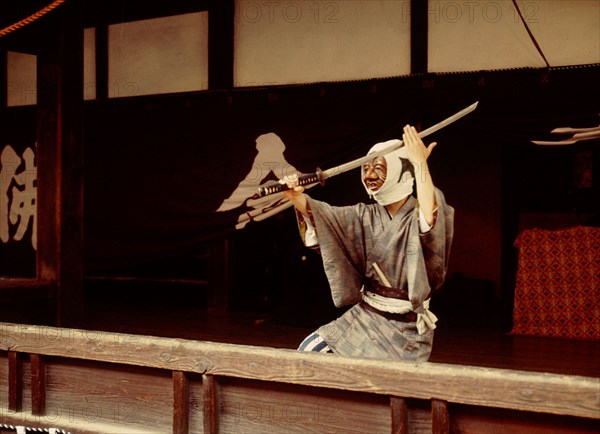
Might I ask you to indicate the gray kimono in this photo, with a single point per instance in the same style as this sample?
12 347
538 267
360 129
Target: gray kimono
351 239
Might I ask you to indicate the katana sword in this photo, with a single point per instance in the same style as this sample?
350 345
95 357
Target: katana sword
321 175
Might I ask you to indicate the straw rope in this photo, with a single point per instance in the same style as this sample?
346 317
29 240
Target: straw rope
25 21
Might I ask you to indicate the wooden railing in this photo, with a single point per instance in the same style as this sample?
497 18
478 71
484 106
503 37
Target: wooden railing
23 289
85 381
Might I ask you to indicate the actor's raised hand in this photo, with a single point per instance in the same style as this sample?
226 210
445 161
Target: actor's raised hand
416 150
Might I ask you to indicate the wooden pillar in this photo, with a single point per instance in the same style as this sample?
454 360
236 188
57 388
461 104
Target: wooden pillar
399 415
510 230
60 160
440 420
38 385
15 381
220 44
211 404
181 403
419 28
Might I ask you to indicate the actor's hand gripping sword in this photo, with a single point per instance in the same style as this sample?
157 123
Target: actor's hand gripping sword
321 175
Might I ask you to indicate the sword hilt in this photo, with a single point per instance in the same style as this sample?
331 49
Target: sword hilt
277 186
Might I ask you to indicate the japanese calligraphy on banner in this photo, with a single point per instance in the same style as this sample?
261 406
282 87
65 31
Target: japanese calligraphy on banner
18 196
18 176
165 179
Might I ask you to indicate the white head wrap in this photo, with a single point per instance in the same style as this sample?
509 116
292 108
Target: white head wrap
398 182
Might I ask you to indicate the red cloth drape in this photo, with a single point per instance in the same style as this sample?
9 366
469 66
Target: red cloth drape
557 290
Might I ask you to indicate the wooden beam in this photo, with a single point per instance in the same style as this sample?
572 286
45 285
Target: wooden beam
181 403
60 160
17 289
399 415
472 385
210 390
440 421
15 381
220 44
419 28
38 385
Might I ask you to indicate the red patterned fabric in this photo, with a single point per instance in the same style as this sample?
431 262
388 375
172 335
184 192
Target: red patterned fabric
557 291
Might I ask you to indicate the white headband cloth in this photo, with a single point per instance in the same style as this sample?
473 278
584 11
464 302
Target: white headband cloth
398 182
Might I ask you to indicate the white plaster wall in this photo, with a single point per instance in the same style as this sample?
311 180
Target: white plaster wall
304 41
156 56
21 87
480 35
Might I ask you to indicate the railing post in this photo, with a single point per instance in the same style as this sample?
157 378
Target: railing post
181 403
399 415
211 404
15 381
440 421
38 385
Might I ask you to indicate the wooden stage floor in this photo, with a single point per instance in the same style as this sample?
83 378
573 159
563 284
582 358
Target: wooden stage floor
451 345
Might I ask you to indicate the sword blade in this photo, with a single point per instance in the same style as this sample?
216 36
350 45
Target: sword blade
320 176
397 145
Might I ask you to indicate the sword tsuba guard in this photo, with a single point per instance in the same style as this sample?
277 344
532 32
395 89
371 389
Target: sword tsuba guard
320 176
